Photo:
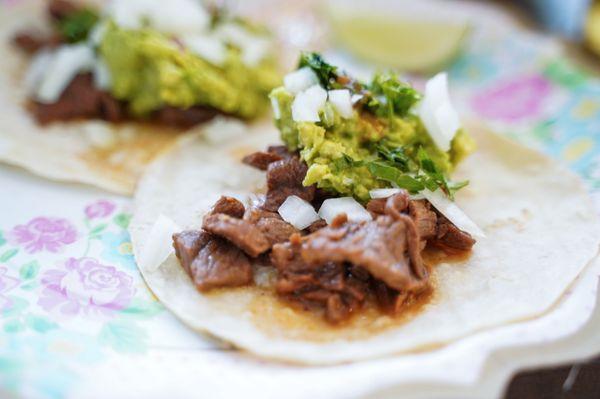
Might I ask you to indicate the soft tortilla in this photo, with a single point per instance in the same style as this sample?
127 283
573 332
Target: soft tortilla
541 232
93 152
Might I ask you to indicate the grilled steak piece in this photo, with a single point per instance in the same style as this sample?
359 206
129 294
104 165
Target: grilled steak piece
80 99
450 238
61 9
242 233
284 178
261 159
184 118
229 206
425 219
210 261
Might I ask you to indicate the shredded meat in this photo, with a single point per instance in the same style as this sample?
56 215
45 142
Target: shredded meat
242 233
280 150
284 178
210 261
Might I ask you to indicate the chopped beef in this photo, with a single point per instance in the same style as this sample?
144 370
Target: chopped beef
376 206
242 233
425 219
61 9
81 99
317 225
284 178
30 41
450 238
388 247
229 206
185 118
280 150
261 159
274 228
210 261
187 244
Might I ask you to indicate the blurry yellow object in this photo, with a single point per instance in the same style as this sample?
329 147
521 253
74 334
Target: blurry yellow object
592 29
398 42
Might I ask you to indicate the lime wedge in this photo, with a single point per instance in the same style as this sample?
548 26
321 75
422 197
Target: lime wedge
400 42
592 29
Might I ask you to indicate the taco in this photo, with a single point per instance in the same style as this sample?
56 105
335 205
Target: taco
92 94
350 240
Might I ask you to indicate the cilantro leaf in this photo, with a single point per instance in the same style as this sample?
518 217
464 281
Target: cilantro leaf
390 96
76 26
385 171
326 73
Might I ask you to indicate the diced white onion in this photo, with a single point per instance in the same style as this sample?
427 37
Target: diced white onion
340 99
101 74
300 80
67 62
298 212
173 16
307 104
449 209
384 192
37 70
209 47
333 207
437 113
276 109
159 244
97 34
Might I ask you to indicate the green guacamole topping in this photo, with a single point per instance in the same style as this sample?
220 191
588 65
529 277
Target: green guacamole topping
384 144
150 70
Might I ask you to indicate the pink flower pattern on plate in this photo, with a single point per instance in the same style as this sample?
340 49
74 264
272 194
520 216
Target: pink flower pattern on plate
43 233
99 209
514 100
85 286
7 283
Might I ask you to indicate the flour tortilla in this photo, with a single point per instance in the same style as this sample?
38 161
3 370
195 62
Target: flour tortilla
92 152
541 232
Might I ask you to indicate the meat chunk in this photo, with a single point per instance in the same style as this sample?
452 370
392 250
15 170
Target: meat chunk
376 206
242 233
261 159
450 238
210 261
185 118
284 178
61 9
274 228
80 99
187 244
280 150
387 247
229 206
425 219
30 41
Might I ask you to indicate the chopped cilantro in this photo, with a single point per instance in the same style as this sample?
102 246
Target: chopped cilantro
77 26
389 96
326 73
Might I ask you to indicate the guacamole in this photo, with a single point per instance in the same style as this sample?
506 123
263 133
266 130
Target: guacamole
377 146
150 70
